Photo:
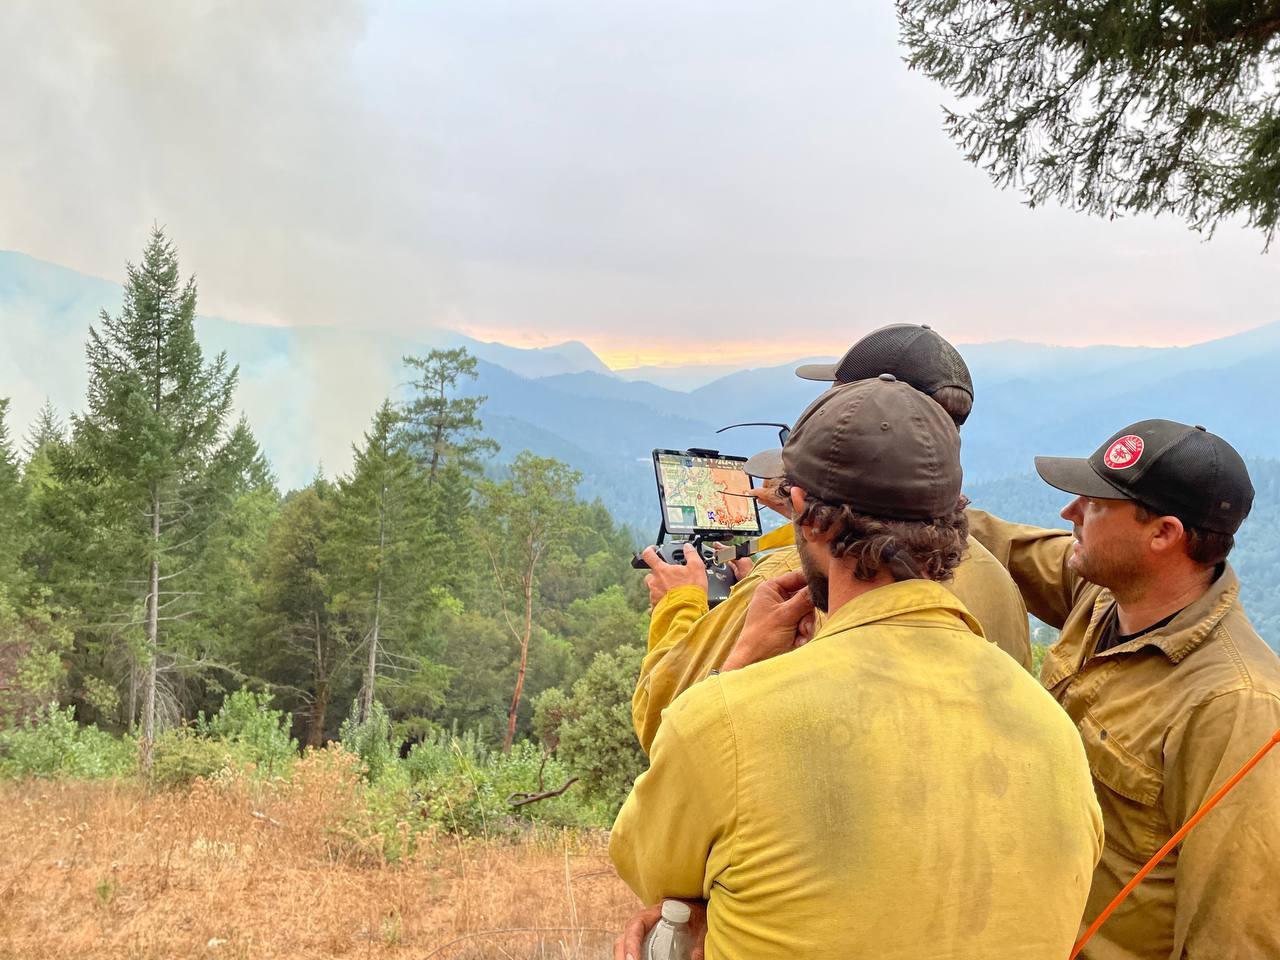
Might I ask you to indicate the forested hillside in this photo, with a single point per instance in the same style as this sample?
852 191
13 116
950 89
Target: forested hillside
448 583
150 564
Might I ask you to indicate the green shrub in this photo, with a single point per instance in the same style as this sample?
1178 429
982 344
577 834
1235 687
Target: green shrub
244 732
52 744
260 734
181 755
463 786
391 813
370 740
590 729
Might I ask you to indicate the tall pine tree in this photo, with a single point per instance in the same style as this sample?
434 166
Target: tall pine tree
153 443
443 428
381 536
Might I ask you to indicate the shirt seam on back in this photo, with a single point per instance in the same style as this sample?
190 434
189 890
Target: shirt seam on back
1234 691
737 775
1229 644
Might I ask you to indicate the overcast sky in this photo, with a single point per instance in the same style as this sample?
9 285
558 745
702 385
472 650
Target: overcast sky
664 181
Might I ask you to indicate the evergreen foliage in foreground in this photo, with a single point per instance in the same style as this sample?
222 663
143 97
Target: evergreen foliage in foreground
1116 106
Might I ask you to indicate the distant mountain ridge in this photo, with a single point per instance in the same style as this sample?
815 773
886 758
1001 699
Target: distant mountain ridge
309 392
307 389
683 378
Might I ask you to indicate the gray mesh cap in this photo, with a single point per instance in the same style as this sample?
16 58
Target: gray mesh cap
914 353
881 447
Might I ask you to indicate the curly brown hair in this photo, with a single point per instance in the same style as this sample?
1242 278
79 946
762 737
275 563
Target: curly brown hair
909 549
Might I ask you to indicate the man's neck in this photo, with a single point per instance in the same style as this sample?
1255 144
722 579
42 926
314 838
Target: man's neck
843 588
1142 605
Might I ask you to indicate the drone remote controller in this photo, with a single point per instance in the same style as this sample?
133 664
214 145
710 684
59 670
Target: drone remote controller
720 576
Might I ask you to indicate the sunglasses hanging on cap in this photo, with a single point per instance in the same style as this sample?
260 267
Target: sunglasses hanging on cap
784 430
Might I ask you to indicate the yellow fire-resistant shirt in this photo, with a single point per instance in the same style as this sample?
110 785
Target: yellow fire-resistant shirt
1165 719
686 641
896 788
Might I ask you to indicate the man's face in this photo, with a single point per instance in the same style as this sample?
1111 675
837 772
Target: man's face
1110 548
813 572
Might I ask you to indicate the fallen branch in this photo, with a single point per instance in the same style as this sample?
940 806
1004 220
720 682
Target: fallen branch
535 797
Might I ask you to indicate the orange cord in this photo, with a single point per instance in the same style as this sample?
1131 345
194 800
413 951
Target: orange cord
1173 842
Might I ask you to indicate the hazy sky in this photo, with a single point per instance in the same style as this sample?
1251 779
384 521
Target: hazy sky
663 181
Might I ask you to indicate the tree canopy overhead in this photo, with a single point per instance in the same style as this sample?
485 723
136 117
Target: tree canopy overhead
1114 106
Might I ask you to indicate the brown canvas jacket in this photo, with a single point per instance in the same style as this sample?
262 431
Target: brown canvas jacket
1166 718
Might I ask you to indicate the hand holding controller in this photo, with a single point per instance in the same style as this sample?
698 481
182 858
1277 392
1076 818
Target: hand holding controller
682 563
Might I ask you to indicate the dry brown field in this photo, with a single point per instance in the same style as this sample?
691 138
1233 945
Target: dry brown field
237 869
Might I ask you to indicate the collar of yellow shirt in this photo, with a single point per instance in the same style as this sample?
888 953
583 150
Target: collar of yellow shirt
931 601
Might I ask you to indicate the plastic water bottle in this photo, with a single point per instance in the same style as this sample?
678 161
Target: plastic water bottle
669 939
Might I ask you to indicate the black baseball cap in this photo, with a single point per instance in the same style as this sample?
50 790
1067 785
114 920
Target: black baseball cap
1175 469
879 446
914 353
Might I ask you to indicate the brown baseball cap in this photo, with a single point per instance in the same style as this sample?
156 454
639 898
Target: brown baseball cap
913 352
878 445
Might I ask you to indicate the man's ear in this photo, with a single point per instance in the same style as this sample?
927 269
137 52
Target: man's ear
797 500
1169 534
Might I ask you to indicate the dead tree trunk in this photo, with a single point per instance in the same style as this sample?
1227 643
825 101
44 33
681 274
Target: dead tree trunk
132 723
153 636
320 676
371 668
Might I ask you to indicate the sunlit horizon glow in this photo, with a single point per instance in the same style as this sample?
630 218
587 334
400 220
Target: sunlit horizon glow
623 354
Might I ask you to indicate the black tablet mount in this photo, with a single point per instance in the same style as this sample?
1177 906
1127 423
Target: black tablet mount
720 576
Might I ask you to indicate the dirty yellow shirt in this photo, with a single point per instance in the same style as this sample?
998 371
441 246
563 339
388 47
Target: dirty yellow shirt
686 641
1165 719
896 788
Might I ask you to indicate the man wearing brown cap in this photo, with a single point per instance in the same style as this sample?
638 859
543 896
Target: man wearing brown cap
1169 685
894 787
687 640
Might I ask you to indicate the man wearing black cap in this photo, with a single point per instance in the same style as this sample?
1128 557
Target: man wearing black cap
1169 685
687 641
894 787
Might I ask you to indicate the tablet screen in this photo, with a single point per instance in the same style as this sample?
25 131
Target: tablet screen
705 494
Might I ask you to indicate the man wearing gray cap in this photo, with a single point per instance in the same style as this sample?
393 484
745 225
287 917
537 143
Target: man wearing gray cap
1169 685
895 786
687 640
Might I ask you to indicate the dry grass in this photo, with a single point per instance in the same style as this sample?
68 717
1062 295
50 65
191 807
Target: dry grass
236 869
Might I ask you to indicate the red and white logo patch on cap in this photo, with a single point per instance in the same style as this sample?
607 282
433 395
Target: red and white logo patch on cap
1124 453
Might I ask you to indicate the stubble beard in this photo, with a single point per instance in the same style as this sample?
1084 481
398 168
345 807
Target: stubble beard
819 585
1103 568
